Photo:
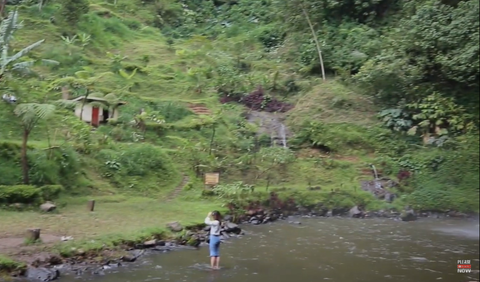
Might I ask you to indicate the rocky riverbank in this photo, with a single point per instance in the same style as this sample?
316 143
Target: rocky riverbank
50 267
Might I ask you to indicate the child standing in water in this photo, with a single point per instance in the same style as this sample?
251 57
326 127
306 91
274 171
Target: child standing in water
214 221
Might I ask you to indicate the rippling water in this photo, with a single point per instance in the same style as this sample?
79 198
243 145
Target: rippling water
322 249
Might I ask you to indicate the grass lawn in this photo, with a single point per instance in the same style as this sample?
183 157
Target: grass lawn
113 215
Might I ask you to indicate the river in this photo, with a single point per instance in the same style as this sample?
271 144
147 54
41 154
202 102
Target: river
322 249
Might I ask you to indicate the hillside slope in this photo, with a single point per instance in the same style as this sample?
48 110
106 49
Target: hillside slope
164 58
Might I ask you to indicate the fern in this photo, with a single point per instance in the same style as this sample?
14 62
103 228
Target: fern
67 104
31 113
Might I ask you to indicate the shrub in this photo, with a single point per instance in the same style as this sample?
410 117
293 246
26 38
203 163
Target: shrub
171 111
25 194
50 192
139 160
271 36
334 137
58 166
433 199
72 10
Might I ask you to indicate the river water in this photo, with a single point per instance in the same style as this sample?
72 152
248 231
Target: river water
322 249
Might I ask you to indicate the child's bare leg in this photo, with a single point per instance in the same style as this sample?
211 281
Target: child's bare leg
217 262
212 262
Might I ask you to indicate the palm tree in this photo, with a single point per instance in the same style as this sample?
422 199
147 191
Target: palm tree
30 114
9 63
113 101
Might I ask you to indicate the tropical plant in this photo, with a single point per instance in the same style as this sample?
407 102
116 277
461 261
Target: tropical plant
116 61
196 153
272 159
128 78
84 39
233 191
11 63
30 114
436 115
112 101
396 119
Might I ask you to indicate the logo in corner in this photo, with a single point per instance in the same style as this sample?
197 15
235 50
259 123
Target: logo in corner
464 266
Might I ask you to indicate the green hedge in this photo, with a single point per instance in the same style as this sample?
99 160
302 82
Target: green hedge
27 194
24 194
50 192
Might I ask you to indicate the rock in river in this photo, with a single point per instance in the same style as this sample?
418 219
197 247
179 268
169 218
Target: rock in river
355 212
232 228
42 274
408 215
132 255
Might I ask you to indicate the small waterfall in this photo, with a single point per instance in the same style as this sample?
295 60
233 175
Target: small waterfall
283 135
375 173
376 181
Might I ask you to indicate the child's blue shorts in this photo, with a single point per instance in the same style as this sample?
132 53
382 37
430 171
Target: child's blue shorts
214 246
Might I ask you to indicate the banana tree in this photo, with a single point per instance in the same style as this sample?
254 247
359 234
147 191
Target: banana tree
11 62
30 114
128 78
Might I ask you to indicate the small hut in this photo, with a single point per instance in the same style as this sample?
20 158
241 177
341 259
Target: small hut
95 110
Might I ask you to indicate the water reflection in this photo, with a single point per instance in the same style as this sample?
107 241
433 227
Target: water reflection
214 276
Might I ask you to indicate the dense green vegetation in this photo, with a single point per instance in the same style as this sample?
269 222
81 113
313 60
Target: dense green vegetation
400 91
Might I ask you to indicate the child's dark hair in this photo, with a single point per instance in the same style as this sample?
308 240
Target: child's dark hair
217 215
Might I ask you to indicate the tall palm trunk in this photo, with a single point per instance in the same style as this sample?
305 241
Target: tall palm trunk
315 39
24 158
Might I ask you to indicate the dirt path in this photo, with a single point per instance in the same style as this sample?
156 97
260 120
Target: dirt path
179 188
15 245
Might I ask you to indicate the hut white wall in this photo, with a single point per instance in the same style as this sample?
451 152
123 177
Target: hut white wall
87 113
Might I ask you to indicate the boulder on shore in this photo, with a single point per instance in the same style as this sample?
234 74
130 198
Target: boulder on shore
150 243
408 215
175 226
355 212
48 207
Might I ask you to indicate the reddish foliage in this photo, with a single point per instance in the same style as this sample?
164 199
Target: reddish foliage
403 175
257 100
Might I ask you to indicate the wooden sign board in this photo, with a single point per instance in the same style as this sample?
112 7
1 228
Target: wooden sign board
212 178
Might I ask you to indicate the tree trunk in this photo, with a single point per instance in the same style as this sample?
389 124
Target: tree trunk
212 139
83 105
315 39
24 158
112 112
3 4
